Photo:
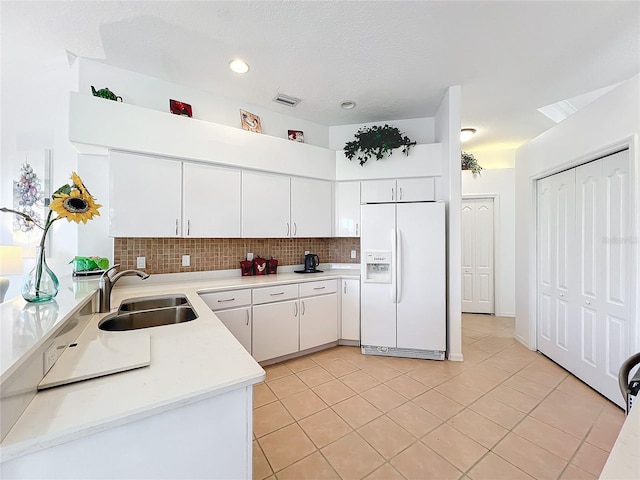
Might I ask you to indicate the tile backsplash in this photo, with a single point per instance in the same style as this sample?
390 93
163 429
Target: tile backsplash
164 255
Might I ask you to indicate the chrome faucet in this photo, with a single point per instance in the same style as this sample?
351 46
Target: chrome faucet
107 282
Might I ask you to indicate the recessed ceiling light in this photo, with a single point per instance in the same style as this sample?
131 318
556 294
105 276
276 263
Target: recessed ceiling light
348 105
466 134
239 66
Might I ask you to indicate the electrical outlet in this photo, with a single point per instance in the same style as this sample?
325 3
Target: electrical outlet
50 357
249 256
186 260
353 254
141 262
306 252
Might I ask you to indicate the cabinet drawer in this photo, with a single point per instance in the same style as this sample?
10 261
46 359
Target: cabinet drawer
275 294
318 288
228 299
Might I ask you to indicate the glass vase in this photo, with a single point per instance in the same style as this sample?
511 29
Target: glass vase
41 284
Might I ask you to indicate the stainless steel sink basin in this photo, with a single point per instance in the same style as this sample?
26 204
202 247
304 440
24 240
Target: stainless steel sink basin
147 318
149 303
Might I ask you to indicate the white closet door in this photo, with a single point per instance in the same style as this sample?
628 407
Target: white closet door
602 198
556 271
477 256
584 234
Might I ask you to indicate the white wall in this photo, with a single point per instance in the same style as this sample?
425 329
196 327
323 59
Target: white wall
34 110
499 184
447 132
494 159
153 93
420 130
601 127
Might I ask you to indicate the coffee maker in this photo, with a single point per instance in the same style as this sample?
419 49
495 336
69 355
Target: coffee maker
311 261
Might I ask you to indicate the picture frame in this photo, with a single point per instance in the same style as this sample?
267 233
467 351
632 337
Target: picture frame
296 136
250 121
180 108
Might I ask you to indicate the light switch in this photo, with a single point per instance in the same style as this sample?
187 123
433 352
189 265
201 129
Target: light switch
353 254
249 256
186 260
141 262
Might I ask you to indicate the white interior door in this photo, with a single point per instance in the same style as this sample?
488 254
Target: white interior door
584 271
556 271
477 256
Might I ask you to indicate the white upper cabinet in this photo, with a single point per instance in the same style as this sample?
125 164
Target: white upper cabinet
265 205
347 202
415 190
311 207
377 191
144 196
402 190
211 201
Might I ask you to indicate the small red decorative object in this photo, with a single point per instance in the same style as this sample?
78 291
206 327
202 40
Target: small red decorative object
180 108
272 266
259 266
246 268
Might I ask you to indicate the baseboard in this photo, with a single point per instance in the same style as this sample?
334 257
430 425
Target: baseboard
455 357
522 341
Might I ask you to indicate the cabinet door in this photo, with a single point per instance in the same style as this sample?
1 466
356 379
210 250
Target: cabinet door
318 320
275 330
416 190
347 195
144 196
211 198
238 321
350 310
311 207
265 205
378 191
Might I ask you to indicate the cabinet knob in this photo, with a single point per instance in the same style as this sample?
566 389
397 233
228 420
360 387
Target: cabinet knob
392 193
188 227
247 310
295 229
587 302
176 227
303 309
287 229
400 193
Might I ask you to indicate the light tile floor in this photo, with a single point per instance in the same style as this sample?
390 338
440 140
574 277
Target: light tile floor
503 413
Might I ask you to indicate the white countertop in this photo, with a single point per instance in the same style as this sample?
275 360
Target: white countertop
25 326
189 362
624 460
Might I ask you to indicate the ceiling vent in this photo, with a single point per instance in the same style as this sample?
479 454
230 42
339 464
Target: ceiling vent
286 100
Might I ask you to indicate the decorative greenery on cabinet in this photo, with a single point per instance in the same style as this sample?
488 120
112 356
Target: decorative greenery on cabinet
376 141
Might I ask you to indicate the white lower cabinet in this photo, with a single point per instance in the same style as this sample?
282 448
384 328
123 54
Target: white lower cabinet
318 320
350 310
238 322
275 330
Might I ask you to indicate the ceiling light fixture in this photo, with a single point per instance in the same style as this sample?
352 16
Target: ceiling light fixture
239 66
466 134
348 105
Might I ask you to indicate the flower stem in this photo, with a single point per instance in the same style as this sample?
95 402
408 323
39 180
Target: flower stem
41 258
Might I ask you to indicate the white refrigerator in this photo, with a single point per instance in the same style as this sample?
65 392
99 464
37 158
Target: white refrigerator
403 280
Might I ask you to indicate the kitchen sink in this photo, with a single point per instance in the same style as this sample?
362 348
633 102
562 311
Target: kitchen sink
150 303
120 321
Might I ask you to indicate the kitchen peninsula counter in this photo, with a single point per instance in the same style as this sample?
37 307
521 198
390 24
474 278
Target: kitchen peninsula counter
191 363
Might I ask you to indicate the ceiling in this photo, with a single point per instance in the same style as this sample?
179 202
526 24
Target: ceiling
395 59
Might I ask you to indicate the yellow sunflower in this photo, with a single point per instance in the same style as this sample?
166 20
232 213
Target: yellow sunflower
75 206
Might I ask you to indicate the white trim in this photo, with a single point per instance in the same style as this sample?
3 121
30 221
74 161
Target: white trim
455 357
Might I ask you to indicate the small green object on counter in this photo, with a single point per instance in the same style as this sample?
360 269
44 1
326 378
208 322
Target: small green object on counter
86 264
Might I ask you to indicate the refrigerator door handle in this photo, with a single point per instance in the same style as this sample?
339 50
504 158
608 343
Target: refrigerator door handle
394 256
399 265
